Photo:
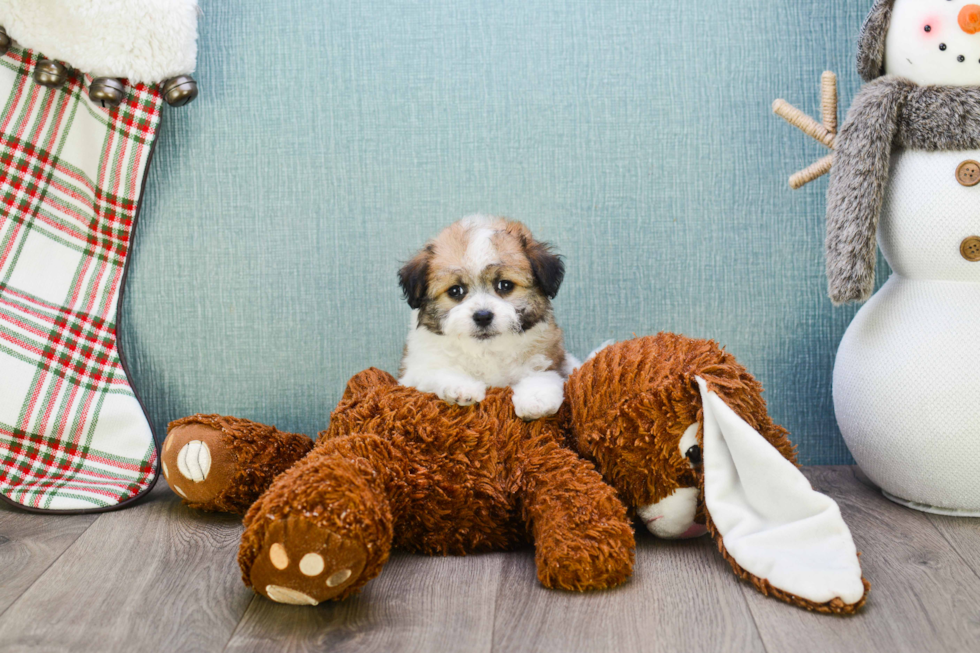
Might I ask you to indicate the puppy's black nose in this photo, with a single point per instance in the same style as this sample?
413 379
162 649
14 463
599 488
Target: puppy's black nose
483 318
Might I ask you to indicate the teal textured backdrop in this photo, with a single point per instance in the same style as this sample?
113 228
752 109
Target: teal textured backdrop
331 139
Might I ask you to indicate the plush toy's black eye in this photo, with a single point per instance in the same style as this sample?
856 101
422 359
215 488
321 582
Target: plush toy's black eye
928 28
456 292
694 455
504 286
961 58
942 46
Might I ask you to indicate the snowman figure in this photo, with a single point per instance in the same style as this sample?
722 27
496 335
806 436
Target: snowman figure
906 177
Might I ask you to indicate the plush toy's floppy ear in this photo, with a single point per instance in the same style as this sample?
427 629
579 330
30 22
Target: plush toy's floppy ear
775 530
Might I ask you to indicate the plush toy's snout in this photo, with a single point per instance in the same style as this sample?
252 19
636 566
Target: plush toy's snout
676 515
674 518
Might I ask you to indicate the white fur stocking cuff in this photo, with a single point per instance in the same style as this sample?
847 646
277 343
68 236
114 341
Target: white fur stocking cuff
142 40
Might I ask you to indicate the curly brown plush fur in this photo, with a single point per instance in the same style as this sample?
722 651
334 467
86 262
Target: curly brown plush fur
400 468
629 406
245 458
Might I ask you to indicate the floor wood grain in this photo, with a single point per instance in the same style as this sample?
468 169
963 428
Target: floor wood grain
416 604
158 576
29 544
680 592
152 577
963 534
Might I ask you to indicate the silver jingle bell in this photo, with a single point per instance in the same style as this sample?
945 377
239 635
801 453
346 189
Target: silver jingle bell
180 90
107 91
4 41
50 73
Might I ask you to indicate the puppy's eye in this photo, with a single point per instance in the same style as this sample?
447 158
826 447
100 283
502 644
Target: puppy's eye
456 292
504 286
694 455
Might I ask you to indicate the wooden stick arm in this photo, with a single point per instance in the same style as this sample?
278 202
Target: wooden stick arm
824 132
803 122
815 171
828 101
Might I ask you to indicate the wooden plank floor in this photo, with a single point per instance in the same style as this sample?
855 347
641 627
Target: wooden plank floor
161 577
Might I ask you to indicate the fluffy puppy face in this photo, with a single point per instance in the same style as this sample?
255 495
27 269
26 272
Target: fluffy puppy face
481 278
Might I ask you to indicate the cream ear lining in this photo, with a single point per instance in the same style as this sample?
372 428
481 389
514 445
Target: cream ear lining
772 522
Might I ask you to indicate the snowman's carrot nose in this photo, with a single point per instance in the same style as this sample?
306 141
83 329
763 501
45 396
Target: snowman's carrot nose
970 19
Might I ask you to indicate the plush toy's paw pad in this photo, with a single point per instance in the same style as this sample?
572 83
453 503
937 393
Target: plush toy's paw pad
303 564
465 393
536 400
196 463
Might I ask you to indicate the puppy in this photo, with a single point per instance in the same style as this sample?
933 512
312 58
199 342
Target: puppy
480 294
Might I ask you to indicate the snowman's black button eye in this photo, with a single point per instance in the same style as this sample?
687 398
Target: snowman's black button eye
942 46
694 455
928 28
961 58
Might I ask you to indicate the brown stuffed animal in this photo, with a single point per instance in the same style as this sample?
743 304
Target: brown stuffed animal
400 468
681 430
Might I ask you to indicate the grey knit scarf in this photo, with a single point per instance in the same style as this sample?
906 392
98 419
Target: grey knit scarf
888 113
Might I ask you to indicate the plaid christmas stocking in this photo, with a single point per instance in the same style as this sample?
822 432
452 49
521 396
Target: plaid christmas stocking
73 435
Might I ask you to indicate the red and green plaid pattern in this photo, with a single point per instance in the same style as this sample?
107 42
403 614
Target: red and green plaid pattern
73 435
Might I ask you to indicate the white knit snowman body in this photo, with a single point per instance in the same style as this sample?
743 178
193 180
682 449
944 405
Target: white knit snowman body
907 374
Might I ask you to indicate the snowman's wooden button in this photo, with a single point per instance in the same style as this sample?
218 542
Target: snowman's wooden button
970 249
968 173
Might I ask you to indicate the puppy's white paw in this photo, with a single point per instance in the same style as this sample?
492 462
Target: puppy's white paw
535 398
463 393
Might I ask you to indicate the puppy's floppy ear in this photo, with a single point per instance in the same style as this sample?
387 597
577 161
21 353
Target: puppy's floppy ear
774 529
546 266
414 277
